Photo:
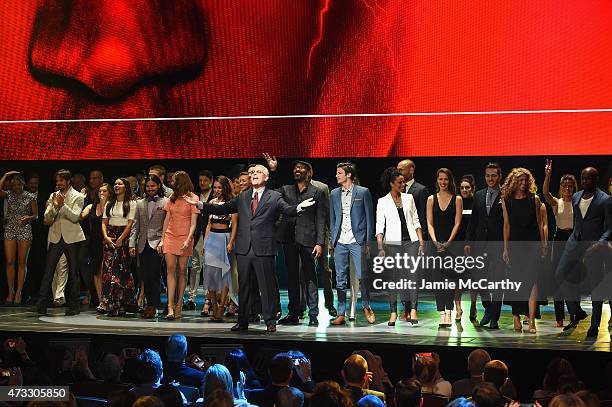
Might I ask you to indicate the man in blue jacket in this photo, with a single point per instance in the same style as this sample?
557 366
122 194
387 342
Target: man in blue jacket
592 231
352 227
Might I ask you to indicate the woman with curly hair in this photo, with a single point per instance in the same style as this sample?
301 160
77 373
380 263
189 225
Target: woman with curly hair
177 239
522 227
118 291
219 239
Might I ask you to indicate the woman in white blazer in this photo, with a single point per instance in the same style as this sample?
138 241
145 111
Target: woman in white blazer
398 231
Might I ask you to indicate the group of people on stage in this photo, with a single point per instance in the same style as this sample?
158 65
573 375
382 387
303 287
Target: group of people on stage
231 229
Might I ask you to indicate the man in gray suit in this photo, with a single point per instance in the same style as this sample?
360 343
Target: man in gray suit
257 209
144 239
352 227
65 234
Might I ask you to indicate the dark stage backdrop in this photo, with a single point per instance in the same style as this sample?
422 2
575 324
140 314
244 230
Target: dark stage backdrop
490 78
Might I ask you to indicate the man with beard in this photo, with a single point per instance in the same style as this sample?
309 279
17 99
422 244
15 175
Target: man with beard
303 239
144 240
65 234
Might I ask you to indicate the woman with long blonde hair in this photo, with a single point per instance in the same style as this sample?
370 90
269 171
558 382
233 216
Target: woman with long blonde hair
523 226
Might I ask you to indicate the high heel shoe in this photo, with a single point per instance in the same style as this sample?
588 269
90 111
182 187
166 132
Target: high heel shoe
231 309
170 315
532 327
473 313
392 319
217 315
448 318
17 299
442 323
414 320
178 309
517 325
206 310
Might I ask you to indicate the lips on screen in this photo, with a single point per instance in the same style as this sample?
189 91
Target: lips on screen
308 78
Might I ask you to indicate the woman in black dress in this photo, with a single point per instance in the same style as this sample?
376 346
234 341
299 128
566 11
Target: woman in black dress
93 213
443 226
522 229
467 187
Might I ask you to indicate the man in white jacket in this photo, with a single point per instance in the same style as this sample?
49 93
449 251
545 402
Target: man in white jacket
62 215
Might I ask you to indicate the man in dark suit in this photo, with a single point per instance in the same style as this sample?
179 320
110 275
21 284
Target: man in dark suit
419 192
485 236
352 227
257 208
592 230
281 372
175 369
303 239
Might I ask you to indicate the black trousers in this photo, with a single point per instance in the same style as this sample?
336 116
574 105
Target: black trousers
296 255
264 269
558 246
54 252
84 266
492 301
569 275
150 265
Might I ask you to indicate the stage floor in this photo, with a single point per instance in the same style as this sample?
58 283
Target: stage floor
426 332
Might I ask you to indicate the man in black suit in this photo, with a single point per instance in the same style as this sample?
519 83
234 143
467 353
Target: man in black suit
257 208
303 239
592 231
281 372
419 192
485 236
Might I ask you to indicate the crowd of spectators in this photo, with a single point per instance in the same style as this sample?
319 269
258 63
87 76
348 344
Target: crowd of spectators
146 378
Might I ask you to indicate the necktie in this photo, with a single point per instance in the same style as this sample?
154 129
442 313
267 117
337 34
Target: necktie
254 203
152 198
489 201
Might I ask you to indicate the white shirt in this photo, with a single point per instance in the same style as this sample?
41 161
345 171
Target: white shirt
584 205
409 184
151 205
204 197
116 214
346 229
259 191
564 217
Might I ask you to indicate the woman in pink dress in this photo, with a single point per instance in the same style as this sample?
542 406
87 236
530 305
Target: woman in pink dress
177 239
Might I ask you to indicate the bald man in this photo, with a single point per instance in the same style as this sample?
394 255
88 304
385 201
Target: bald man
592 230
418 191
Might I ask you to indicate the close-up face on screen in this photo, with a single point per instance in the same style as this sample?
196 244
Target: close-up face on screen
182 79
